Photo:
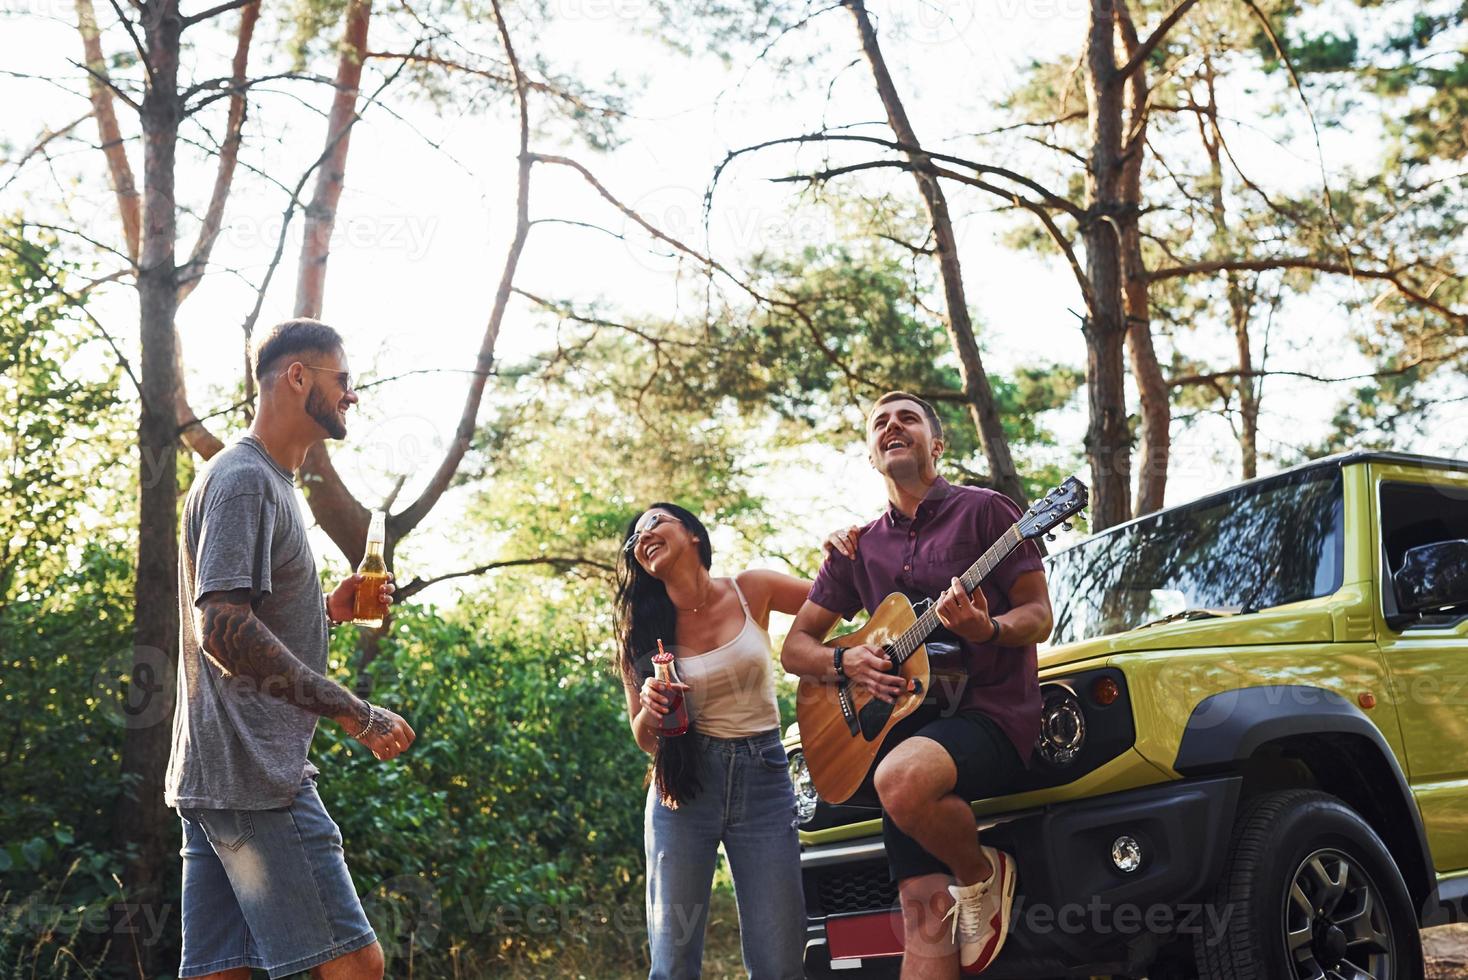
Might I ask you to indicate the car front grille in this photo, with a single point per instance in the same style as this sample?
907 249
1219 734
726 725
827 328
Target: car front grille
861 889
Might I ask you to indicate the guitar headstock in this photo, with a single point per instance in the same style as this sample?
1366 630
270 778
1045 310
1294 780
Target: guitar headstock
1062 502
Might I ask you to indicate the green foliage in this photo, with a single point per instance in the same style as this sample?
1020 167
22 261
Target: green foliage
62 656
512 829
65 617
311 22
56 423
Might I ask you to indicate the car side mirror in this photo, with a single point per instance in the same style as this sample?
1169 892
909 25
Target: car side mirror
1433 576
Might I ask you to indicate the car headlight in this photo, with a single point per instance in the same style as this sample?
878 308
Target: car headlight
806 797
1062 728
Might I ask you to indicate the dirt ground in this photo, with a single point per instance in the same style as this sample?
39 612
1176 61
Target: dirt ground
1447 952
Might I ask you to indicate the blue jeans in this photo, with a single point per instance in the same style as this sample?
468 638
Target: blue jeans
267 889
748 804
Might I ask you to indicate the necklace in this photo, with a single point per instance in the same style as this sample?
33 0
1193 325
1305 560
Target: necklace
701 603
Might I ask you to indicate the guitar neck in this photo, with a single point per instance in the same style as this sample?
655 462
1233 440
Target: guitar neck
913 637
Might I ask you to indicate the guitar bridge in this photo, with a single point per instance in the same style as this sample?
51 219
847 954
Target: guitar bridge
848 709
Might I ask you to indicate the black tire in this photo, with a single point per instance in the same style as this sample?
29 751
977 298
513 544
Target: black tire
1295 853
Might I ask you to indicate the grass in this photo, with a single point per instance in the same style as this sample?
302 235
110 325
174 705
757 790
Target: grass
721 955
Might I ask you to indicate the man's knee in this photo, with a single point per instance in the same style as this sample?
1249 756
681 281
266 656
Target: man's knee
912 779
362 964
895 789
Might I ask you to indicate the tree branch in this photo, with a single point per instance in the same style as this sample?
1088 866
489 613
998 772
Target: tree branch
127 25
1034 207
216 11
419 584
193 270
545 88
409 518
1050 197
42 141
1391 276
1140 56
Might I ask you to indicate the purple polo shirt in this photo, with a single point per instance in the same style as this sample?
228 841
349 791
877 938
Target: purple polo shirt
920 557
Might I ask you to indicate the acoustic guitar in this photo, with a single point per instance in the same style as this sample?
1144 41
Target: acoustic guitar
842 726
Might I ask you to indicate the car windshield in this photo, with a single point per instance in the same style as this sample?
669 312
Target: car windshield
1260 545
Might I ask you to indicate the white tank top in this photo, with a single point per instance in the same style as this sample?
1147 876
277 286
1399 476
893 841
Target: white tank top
733 685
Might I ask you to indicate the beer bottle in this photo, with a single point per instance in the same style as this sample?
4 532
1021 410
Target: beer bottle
369 608
675 722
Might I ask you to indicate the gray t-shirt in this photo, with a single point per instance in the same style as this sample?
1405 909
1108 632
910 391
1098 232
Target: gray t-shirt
236 747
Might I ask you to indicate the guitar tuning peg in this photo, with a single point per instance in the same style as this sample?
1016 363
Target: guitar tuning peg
1049 535
1066 525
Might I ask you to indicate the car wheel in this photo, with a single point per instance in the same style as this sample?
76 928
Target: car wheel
1308 892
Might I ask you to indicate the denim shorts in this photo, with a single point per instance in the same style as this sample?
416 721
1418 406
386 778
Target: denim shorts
267 889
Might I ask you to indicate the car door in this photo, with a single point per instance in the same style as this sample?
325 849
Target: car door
1428 657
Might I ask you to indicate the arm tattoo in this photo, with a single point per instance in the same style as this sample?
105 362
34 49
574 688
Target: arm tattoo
380 725
245 647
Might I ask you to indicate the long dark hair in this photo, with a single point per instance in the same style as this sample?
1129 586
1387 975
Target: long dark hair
645 615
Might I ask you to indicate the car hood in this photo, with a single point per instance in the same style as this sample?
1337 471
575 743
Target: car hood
1301 622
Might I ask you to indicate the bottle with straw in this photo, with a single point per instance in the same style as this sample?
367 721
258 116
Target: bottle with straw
675 722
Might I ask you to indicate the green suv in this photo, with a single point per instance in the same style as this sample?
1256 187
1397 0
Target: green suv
1254 750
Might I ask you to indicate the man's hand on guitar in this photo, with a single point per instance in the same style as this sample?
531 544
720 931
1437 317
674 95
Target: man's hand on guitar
965 614
867 667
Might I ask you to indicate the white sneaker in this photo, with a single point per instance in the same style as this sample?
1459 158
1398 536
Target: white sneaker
981 914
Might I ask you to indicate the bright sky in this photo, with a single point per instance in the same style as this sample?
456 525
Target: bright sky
422 230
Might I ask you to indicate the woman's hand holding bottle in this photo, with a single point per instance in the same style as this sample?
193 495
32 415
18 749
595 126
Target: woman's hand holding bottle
657 695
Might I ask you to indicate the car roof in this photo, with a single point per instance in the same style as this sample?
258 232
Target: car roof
1303 471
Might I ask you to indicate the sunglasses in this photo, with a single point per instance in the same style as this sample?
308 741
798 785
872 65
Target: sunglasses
344 377
636 535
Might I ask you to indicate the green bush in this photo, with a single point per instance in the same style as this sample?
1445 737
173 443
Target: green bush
512 829
60 747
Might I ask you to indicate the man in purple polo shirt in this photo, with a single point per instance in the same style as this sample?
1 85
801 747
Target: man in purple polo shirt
930 534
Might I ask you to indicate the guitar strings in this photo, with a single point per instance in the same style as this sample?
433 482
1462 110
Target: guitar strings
912 638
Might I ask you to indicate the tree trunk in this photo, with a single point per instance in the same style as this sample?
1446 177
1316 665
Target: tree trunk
340 514
321 212
229 152
1152 387
118 170
1248 384
142 823
1108 440
977 391
1240 299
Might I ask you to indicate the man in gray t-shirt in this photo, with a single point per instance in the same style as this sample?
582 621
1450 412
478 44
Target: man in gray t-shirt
242 529
251 686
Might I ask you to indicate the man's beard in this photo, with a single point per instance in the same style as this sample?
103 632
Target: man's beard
325 415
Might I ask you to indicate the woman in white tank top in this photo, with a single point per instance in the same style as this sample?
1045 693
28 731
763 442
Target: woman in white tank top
725 781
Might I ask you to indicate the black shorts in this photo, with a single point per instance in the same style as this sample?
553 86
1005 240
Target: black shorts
987 764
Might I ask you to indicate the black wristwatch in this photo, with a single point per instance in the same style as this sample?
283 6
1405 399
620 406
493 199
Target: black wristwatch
837 654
